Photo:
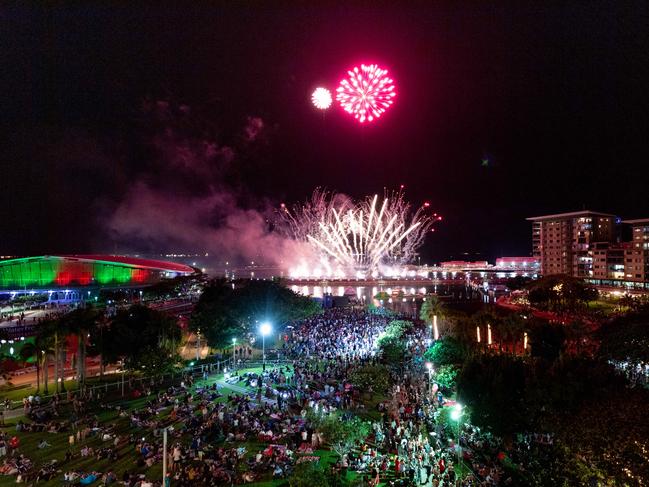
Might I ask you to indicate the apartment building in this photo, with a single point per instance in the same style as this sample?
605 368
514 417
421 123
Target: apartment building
563 242
588 245
636 259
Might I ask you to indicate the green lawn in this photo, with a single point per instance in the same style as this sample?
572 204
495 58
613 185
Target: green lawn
126 453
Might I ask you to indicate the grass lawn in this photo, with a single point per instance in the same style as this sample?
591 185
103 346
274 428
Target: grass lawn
59 441
604 305
126 452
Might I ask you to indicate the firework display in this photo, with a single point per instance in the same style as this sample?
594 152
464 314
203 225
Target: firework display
321 98
359 237
366 93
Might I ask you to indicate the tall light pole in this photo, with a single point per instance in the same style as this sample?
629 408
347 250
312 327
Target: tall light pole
264 329
164 457
234 359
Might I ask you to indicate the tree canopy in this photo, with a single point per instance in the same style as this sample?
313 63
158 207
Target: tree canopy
547 340
626 338
372 376
343 434
446 351
143 337
392 343
493 386
559 292
226 310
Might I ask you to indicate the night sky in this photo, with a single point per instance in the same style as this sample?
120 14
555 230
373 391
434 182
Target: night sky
98 102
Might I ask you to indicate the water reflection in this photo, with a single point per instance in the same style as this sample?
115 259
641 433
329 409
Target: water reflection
406 299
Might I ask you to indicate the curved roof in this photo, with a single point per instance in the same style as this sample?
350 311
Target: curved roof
133 261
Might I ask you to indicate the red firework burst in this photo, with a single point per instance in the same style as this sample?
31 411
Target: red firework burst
366 93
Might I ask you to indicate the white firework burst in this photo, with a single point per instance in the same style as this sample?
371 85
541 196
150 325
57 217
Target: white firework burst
360 236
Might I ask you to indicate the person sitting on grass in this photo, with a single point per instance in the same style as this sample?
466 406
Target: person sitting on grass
43 444
109 478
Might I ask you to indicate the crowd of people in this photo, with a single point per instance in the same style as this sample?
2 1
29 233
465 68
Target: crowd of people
21 319
262 430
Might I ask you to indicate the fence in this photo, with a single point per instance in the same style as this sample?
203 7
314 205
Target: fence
139 382
15 332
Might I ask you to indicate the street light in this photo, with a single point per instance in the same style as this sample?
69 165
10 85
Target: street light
429 367
264 329
234 343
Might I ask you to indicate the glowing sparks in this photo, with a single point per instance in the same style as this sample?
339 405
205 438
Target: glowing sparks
359 237
366 93
321 98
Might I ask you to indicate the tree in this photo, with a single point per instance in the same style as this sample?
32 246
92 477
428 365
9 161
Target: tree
214 314
486 319
447 351
547 340
376 377
626 338
308 474
393 349
397 328
464 330
392 344
227 310
81 322
343 435
44 345
446 377
96 344
258 301
493 386
29 352
518 282
576 333
56 331
144 338
541 297
432 307
512 329
382 296
560 293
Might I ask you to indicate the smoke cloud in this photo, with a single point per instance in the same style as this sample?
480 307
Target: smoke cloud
190 197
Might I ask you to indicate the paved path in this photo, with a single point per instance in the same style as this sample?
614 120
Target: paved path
234 387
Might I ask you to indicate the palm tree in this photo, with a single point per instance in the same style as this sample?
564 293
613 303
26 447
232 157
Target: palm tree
486 320
54 332
44 344
576 332
97 344
513 327
465 331
28 352
431 310
81 322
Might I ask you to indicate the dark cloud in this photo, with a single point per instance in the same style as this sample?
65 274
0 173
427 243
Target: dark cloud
184 199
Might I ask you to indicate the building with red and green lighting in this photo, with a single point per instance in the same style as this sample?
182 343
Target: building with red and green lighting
84 273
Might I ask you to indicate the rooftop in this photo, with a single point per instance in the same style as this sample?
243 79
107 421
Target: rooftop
636 221
133 261
572 214
111 259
